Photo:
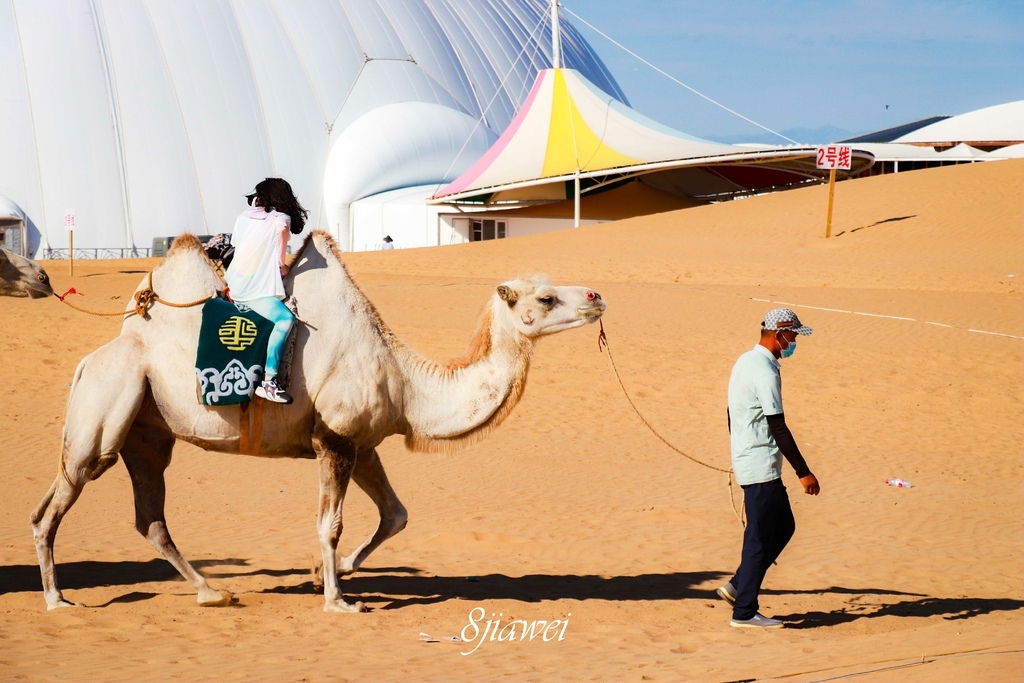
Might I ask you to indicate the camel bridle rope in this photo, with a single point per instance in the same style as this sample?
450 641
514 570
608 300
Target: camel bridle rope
602 345
144 299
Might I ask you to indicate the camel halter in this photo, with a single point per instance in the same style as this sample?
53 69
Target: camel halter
144 299
602 345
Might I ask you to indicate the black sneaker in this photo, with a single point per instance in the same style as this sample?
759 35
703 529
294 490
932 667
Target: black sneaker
272 391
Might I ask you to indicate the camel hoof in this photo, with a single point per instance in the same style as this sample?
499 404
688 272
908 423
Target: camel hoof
62 603
341 606
215 598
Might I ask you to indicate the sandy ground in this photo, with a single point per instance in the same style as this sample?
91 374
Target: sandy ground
573 510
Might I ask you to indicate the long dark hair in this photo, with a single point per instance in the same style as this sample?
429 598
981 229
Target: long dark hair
275 194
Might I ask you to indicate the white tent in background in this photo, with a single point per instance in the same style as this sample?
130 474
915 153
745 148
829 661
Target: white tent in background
963 151
152 118
1010 152
995 126
13 231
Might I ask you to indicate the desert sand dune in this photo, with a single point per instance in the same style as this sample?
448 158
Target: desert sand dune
572 510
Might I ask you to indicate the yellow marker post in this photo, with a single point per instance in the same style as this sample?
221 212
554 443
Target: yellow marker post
833 157
831 195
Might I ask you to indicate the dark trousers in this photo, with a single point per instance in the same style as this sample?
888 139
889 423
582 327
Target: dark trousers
770 525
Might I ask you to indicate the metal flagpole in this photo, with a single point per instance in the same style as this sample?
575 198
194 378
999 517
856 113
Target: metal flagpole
556 37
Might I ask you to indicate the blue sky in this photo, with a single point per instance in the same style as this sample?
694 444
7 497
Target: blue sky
808 63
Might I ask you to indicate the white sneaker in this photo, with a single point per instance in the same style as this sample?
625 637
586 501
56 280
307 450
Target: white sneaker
272 391
756 621
727 593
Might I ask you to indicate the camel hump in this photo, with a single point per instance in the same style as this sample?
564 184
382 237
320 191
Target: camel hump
185 242
323 243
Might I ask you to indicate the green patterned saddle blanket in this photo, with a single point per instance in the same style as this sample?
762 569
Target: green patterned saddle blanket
231 353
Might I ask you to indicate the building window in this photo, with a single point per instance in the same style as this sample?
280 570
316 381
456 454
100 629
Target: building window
488 230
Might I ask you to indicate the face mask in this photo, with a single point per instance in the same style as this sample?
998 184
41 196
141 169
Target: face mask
789 350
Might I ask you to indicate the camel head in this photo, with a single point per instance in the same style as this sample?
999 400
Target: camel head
21 277
535 308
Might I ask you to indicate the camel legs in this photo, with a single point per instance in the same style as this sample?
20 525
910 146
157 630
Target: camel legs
336 457
105 396
147 453
370 477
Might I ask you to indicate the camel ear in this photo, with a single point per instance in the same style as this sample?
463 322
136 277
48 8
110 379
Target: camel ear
508 295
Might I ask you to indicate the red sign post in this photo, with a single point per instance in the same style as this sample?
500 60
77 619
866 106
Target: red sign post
833 157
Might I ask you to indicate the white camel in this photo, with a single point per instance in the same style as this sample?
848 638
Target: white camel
354 383
22 277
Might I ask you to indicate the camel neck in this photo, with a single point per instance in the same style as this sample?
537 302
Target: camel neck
466 399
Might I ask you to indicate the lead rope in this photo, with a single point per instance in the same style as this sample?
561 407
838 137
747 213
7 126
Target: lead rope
144 298
602 345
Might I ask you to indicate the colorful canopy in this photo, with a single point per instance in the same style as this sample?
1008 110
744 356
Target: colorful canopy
568 126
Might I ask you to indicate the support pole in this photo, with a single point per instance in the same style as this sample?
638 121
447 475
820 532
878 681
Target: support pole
71 251
831 194
576 209
556 37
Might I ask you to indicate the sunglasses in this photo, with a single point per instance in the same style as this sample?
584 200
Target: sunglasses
250 197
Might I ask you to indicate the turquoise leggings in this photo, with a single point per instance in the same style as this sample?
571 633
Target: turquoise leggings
274 310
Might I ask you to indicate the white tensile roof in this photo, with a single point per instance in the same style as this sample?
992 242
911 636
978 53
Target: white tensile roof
1002 123
154 117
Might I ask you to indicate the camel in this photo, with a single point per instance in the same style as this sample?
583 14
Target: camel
354 384
22 277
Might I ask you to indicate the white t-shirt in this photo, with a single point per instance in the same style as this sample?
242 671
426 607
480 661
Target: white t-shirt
755 391
260 241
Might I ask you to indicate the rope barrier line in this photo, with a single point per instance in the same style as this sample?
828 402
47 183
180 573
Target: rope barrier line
144 299
602 345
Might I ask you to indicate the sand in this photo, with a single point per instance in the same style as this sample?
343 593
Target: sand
573 510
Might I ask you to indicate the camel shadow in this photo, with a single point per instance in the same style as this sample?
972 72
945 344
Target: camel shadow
23 578
389 588
390 591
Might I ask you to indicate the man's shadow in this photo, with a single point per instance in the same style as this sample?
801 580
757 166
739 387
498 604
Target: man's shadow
926 606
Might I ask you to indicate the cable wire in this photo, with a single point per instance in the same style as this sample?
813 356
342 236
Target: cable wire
676 80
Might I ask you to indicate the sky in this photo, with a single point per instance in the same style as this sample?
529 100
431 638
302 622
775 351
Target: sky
858 65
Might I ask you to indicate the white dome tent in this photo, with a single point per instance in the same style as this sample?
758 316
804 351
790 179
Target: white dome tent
153 118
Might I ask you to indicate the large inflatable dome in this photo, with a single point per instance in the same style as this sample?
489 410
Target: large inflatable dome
152 118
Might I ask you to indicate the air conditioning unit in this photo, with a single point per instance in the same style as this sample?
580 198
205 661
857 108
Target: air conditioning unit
161 245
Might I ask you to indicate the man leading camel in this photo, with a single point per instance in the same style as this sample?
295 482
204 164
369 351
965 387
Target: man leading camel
759 438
